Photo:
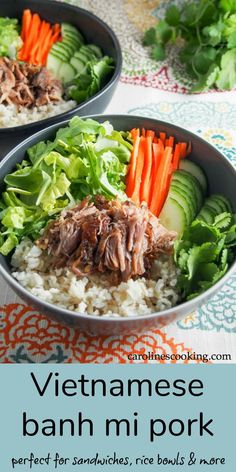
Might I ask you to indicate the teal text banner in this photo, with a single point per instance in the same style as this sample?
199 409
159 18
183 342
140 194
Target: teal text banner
117 418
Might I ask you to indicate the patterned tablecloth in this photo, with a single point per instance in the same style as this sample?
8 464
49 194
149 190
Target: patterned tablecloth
146 88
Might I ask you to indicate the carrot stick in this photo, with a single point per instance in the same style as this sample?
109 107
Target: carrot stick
177 156
32 35
183 150
163 137
56 28
151 133
171 141
132 166
155 139
36 51
157 151
143 132
26 22
46 47
138 171
161 182
134 132
146 174
50 41
36 46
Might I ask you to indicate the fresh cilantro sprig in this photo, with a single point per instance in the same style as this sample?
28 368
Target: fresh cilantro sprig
204 253
207 29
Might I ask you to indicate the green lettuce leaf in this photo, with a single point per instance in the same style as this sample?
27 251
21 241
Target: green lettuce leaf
15 217
56 189
10 243
10 40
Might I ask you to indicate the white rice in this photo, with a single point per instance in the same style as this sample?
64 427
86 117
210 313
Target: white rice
95 296
11 115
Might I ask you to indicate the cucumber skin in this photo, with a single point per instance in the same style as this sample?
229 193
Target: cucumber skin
214 206
185 191
184 203
196 171
192 183
206 215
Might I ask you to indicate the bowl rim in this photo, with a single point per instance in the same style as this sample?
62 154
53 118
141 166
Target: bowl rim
79 107
57 310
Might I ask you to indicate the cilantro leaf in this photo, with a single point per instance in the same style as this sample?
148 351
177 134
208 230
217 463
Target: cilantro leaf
230 237
207 29
204 254
150 37
207 252
203 60
172 16
189 13
163 32
213 33
208 80
223 220
158 53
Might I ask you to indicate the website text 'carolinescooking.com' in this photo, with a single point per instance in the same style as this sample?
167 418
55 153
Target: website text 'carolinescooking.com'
184 357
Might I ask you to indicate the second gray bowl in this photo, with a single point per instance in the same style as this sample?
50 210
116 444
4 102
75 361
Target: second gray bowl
94 31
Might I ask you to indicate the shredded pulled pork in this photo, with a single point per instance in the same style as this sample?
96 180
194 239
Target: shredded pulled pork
106 236
27 85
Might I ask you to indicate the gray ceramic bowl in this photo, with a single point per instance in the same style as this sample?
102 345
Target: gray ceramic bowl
95 31
221 177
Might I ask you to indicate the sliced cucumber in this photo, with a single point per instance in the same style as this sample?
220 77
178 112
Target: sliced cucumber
72 31
70 49
207 215
66 72
215 205
225 201
196 171
53 63
62 49
187 194
85 56
211 210
218 202
192 183
78 65
87 52
96 50
59 53
172 216
75 40
184 203
81 57
73 46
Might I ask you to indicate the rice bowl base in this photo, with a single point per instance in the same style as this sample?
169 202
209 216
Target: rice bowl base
12 115
95 295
